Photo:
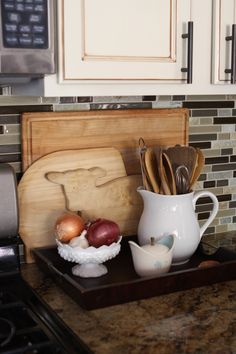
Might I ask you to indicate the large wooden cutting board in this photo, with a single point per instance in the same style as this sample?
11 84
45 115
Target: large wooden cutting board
43 133
46 133
42 201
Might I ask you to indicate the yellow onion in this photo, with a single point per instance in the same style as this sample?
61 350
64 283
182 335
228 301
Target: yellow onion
68 226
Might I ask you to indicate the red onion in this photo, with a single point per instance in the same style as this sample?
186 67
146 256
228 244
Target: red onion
102 232
69 226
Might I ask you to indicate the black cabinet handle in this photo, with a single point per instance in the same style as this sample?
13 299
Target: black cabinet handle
189 69
232 70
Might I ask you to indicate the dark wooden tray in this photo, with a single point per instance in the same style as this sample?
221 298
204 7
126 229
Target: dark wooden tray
122 284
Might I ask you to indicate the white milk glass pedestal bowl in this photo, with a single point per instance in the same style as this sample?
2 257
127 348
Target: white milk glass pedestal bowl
89 259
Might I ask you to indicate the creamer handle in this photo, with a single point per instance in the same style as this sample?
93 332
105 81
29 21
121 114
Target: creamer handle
214 211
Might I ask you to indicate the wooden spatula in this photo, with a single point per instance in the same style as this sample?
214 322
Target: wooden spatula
182 155
146 181
169 173
165 189
152 170
199 164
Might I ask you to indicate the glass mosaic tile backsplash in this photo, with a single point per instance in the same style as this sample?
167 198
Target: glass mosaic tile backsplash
212 127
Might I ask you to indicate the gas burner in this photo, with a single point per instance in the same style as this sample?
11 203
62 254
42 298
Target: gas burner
7 331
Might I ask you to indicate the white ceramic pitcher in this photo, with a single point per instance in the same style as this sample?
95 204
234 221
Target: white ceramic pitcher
174 214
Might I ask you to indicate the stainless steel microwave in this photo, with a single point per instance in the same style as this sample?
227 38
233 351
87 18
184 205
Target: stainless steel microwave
27 37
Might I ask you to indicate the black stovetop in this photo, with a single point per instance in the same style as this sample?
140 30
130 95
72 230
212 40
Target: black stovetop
27 324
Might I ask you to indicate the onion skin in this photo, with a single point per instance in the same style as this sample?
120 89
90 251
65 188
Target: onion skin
68 226
102 232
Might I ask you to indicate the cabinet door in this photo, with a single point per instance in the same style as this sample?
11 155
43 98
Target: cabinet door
224 15
123 39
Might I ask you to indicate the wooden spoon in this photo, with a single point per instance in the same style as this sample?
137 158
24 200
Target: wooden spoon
169 173
151 168
200 161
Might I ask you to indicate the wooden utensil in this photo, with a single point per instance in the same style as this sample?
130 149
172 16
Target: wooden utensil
41 201
146 179
165 189
152 169
142 149
169 173
199 164
182 155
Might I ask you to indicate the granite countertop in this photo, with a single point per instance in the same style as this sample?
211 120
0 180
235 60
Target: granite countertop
200 320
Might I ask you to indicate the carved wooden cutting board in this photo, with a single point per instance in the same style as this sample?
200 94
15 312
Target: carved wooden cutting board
93 181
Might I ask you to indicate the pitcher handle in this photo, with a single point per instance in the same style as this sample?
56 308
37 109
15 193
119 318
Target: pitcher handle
214 211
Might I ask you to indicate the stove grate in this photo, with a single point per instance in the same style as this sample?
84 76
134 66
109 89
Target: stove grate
21 331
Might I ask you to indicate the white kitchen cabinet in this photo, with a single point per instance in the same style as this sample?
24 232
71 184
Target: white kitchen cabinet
123 40
135 47
224 16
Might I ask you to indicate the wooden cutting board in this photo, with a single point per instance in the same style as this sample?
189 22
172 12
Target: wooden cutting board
43 133
76 180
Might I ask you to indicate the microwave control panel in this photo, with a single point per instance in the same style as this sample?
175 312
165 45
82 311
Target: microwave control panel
24 23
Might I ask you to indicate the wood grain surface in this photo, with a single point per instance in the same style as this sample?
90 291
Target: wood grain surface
41 201
43 133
